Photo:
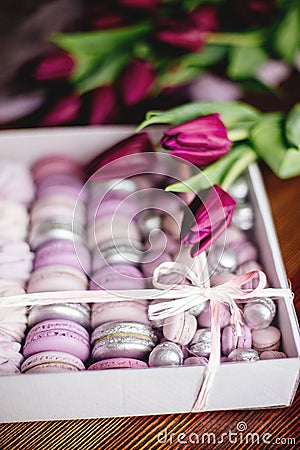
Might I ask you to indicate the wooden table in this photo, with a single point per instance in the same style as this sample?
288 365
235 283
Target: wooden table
144 432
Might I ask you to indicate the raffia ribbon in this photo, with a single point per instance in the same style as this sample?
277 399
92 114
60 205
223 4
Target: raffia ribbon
179 298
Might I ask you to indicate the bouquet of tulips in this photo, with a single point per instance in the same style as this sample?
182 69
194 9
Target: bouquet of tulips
128 51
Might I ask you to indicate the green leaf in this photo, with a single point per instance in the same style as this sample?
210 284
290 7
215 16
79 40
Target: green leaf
243 61
231 113
99 55
91 73
176 77
286 39
292 126
101 42
222 172
211 54
268 141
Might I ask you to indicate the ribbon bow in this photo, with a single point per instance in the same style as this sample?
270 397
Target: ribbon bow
197 293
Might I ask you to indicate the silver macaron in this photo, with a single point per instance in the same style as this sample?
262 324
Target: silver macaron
243 216
122 339
259 313
77 312
166 354
243 354
201 342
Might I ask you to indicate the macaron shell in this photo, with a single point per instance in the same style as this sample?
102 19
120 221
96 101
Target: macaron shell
173 327
119 276
120 311
231 341
48 362
118 363
272 354
266 339
58 335
204 317
56 278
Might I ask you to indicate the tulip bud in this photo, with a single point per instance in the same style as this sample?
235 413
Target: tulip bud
136 80
200 141
206 218
135 144
103 105
64 111
56 65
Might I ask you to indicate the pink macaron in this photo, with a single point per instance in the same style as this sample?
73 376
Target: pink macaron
266 339
118 363
58 206
245 251
131 310
15 261
66 184
204 317
230 340
57 278
52 362
65 253
54 164
58 335
110 228
180 328
118 276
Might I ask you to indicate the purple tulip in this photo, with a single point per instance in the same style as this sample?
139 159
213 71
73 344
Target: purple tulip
103 105
199 141
64 111
182 33
56 65
136 144
136 80
190 32
206 218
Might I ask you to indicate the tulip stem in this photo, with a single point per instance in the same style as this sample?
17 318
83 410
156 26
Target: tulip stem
238 167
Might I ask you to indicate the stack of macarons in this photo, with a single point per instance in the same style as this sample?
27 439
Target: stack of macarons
122 336
57 226
58 334
16 195
114 236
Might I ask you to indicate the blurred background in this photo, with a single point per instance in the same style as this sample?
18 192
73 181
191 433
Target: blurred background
89 62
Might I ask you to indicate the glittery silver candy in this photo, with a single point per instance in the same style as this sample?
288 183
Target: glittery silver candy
55 229
243 216
118 251
260 313
122 339
201 342
222 258
196 310
239 189
77 312
166 354
243 354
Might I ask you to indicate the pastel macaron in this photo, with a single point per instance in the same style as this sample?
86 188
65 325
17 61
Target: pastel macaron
128 310
118 276
53 164
118 363
14 220
57 278
180 328
16 261
59 206
204 316
51 362
65 253
16 183
58 335
266 339
230 340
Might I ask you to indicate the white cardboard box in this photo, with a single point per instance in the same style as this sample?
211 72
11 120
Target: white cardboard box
270 383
